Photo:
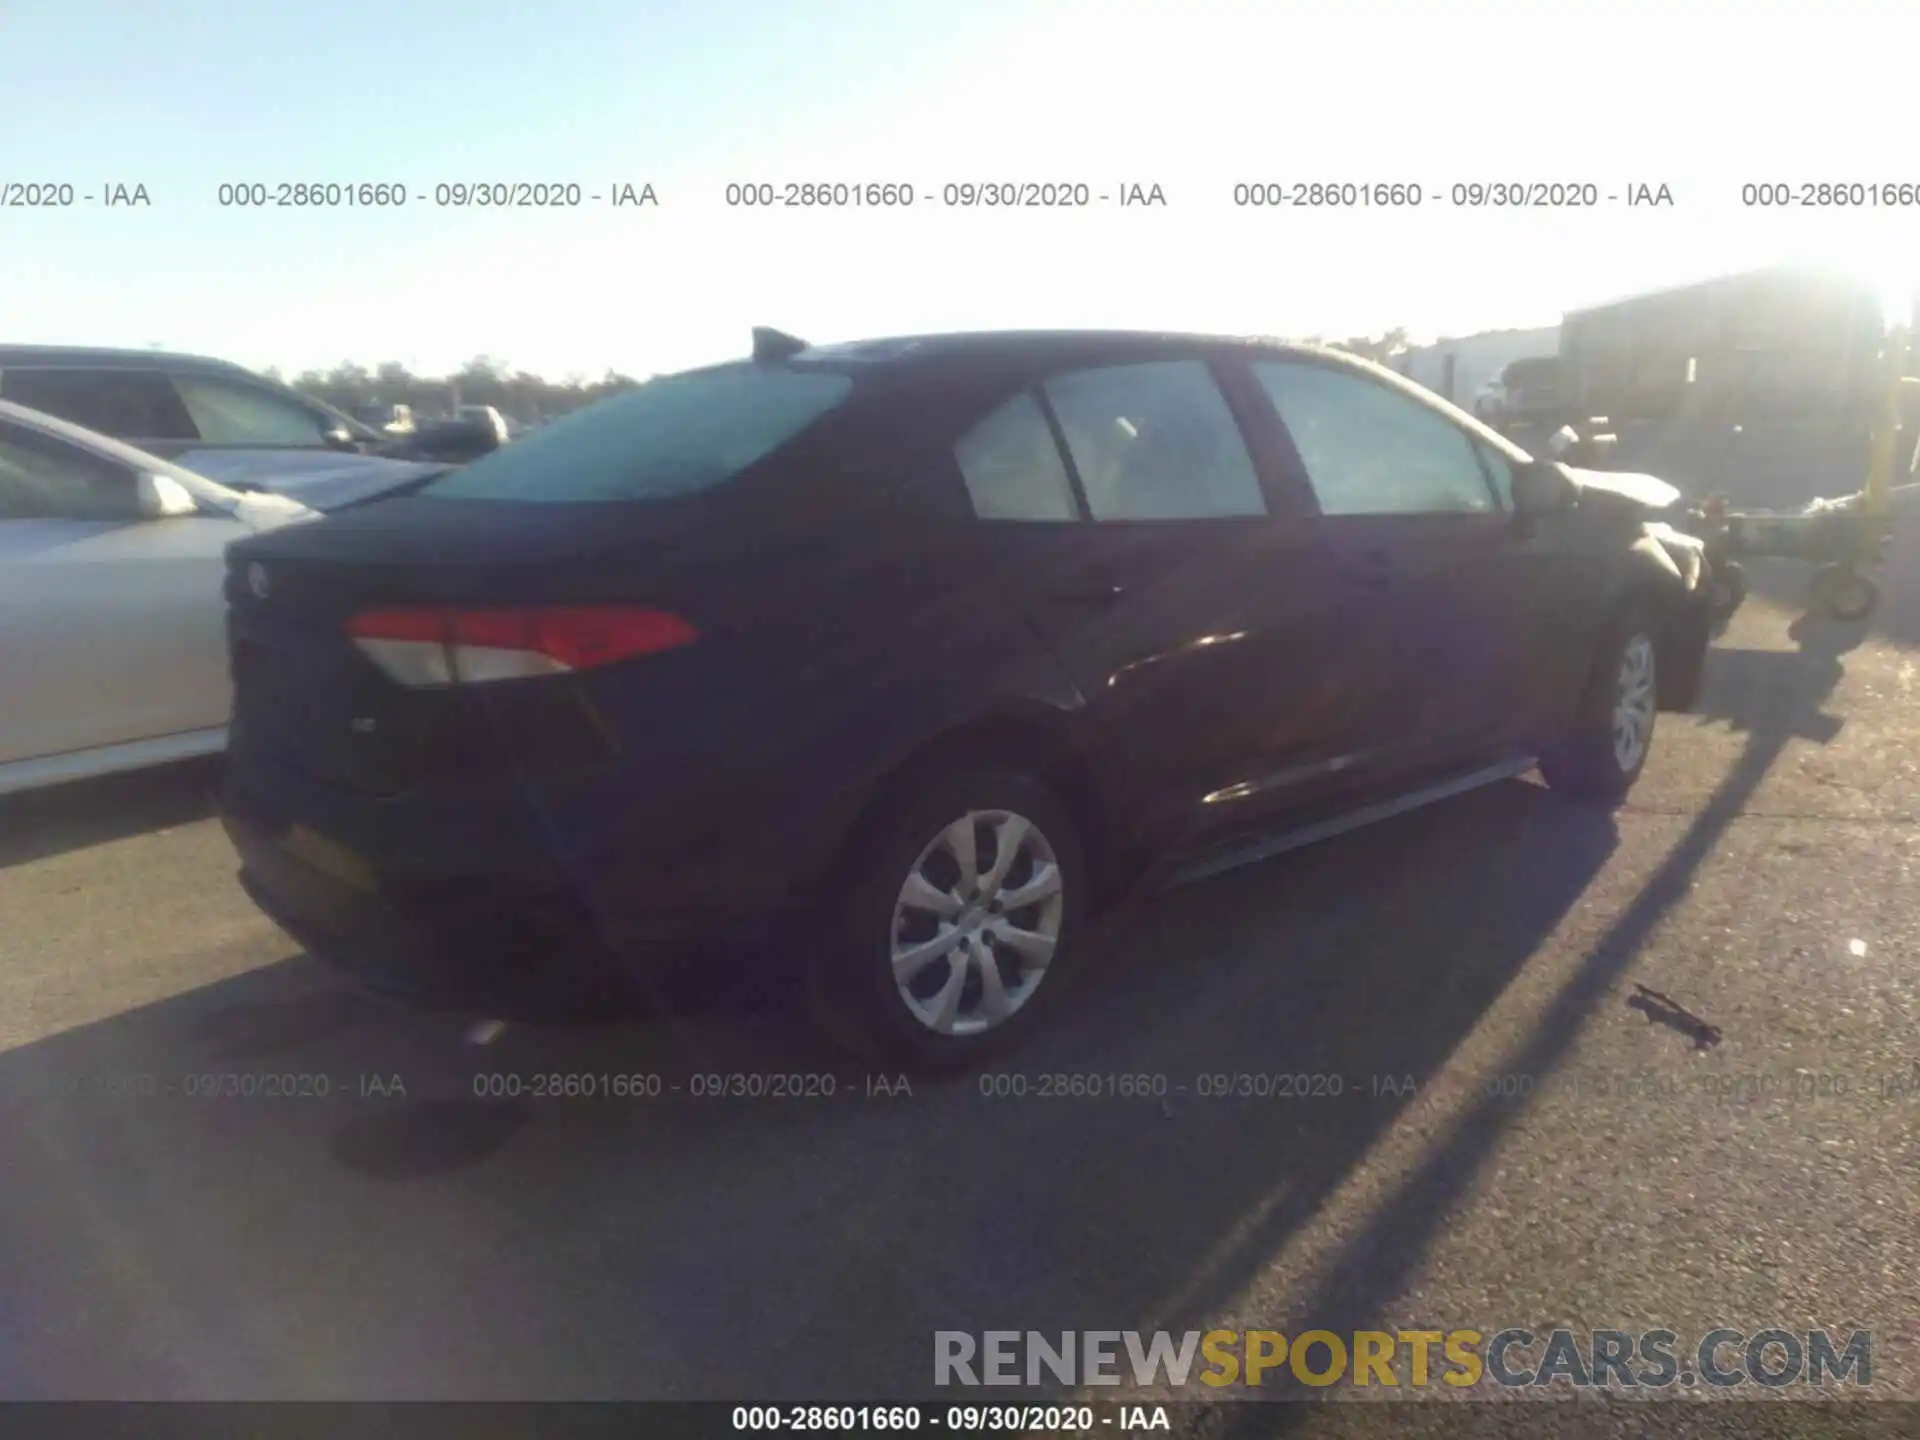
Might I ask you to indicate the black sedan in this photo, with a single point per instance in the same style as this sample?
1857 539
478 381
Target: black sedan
913 654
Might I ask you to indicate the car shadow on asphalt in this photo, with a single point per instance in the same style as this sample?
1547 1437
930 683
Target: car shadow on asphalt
436 1177
38 824
1271 1024
1773 698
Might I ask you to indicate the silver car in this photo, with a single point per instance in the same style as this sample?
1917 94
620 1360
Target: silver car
112 624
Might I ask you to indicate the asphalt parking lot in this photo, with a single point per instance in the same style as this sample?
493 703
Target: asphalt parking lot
163 1242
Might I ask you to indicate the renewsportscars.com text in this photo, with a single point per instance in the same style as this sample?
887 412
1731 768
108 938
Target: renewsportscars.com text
1514 1357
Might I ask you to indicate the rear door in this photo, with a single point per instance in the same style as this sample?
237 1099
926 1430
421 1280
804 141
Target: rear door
1126 509
110 624
1426 551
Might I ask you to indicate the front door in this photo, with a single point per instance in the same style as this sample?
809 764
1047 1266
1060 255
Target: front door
1413 526
1123 506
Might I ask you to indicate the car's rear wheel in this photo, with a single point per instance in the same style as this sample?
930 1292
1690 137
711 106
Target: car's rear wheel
1612 732
1844 593
1727 589
962 912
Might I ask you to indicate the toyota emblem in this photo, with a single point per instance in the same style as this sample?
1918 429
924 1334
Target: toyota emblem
257 581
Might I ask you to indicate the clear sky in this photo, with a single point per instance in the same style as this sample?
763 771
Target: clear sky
185 95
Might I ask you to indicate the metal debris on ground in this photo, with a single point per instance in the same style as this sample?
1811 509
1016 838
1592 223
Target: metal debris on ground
1671 1013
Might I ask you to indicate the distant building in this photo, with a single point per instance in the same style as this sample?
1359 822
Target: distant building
1784 336
1458 369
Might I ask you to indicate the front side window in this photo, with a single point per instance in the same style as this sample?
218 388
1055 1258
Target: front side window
1013 467
126 404
43 479
229 413
673 436
1369 450
1155 442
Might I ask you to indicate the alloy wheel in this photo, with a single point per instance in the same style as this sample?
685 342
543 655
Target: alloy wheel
1634 704
976 922
1852 597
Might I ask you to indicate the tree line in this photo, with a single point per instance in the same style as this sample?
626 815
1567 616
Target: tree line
529 398
483 380
1381 349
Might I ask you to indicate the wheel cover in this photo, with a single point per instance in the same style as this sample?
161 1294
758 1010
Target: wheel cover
1851 598
1634 704
976 923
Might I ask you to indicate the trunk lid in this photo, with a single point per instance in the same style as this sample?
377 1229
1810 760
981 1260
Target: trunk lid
306 696
322 479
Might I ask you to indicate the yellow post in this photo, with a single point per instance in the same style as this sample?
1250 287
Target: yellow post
1886 431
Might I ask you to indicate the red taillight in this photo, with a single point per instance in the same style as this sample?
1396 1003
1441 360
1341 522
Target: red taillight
400 625
578 638
443 647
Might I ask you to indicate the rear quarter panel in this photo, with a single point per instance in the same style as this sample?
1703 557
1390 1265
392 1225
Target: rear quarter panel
833 649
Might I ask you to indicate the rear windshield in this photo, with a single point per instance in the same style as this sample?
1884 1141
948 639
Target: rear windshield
672 436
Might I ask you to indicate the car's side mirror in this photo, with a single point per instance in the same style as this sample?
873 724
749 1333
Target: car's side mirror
338 437
162 497
1542 488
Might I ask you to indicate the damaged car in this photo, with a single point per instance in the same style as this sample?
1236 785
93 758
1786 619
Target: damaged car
914 655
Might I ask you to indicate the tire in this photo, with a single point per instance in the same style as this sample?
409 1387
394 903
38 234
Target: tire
1596 761
1843 593
1729 588
943 1020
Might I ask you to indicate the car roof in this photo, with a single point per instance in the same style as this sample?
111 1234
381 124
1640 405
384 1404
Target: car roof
105 446
93 440
83 356
925 356
1034 346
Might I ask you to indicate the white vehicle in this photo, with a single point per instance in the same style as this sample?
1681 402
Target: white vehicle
503 428
389 419
112 621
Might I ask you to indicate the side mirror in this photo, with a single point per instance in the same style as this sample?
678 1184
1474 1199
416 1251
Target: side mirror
162 497
338 437
1543 488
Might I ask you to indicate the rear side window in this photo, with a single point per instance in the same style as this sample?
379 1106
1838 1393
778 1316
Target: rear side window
673 436
1155 442
1013 468
126 404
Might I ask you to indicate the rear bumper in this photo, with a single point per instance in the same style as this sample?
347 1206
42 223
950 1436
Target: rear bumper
469 909
481 950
